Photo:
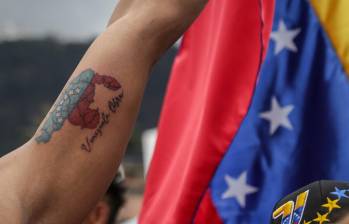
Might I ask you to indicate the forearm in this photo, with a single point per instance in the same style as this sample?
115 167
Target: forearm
86 159
123 7
79 145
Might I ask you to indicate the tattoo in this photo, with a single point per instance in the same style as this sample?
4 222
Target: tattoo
115 103
98 132
74 105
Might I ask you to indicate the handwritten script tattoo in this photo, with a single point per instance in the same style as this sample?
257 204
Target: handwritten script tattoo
113 106
74 106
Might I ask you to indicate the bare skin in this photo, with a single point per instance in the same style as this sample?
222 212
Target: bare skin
59 175
345 220
123 7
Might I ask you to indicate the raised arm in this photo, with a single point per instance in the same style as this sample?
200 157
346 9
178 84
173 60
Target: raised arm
123 7
59 174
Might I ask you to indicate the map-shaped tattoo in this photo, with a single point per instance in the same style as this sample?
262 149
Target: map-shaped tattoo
74 104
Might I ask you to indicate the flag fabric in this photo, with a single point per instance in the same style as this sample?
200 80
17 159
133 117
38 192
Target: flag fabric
209 93
223 159
296 130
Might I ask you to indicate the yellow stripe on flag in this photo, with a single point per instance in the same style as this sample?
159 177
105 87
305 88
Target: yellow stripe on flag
334 16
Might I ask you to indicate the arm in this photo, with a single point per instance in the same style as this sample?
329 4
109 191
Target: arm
123 7
59 175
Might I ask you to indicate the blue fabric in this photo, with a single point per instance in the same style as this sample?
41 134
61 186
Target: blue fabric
314 82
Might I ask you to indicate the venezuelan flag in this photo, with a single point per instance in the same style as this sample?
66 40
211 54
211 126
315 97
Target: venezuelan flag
238 133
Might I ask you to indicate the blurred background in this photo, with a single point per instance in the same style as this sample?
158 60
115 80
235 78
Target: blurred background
41 42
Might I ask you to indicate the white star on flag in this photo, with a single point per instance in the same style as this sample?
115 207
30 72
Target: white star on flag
284 38
238 188
278 116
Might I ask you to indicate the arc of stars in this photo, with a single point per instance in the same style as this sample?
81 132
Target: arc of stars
321 218
331 204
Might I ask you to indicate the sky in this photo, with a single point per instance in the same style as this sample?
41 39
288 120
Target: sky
67 20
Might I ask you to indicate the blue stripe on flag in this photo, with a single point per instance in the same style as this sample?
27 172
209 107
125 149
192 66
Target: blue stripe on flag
297 129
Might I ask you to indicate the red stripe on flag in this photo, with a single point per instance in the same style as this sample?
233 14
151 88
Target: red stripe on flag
209 93
207 213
